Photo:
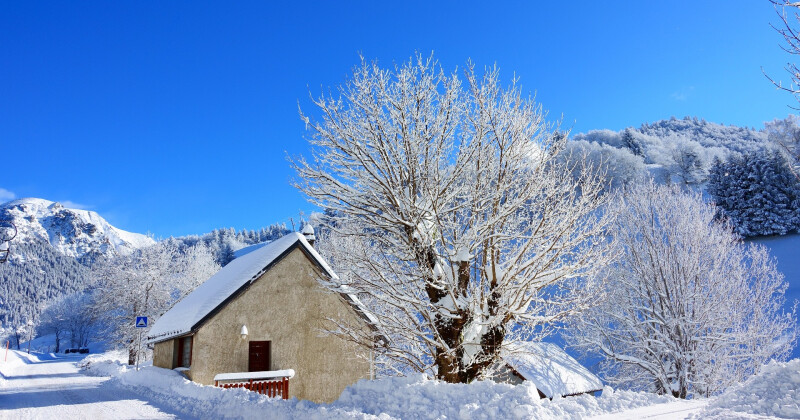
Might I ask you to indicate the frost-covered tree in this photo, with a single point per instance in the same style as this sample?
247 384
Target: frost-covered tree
54 320
459 228
688 309
790 30
758 193
619 165
689 165
785 134
146 283
70 317
631 142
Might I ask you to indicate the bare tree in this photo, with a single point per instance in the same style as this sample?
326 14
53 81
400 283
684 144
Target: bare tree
689 309
789 30
454 222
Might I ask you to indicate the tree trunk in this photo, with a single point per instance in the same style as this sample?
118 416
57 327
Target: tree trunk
450 358
131 354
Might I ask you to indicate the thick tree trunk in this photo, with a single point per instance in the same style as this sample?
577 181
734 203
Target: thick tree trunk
448 358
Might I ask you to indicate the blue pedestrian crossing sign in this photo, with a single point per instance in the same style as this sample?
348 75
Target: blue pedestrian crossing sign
141 322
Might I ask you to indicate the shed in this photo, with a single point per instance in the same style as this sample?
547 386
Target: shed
550 368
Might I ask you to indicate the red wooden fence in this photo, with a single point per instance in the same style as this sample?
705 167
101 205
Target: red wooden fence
272 388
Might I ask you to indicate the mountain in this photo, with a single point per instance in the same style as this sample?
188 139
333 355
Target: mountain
74 233
52 254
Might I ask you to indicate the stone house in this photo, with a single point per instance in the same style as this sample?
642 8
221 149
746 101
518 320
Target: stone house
266 311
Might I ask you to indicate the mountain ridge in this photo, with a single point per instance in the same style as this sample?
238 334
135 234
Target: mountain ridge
72 232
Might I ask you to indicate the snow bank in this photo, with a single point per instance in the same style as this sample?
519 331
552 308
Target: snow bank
389 398
171 389
417 397
774 392
10 362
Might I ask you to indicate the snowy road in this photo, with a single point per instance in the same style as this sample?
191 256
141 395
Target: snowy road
678 410
51 388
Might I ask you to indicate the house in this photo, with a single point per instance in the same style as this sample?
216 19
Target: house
265 311
551 369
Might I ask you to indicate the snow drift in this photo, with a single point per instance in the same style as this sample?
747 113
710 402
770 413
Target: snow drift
389 398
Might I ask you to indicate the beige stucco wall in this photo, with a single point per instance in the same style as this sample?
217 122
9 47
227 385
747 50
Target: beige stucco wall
288 307
163 354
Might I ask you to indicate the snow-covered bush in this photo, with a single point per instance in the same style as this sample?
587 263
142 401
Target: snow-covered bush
688 309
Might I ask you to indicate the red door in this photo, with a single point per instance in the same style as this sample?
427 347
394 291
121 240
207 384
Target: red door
259 356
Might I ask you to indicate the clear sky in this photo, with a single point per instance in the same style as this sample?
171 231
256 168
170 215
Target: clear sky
176 117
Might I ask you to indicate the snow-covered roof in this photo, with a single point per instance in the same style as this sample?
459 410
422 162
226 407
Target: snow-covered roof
552 370
200 303
248 249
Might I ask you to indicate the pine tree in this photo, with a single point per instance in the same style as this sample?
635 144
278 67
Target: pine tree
758 193
630 141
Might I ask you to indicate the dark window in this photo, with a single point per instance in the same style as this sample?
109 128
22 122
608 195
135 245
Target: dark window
259 356
184 352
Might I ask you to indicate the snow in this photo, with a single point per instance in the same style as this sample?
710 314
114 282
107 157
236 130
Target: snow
553 371
72 232
266 374
675 410
786 250
308 232
248 249
389 398
209 295
775 392
39 386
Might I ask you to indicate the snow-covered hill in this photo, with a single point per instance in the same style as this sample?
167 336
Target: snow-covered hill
785 249
71 232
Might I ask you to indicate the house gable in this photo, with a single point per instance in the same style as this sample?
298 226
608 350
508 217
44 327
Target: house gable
199 305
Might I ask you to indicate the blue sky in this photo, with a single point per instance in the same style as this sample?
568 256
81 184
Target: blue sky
176 117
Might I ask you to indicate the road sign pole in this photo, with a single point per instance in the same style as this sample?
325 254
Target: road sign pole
139 322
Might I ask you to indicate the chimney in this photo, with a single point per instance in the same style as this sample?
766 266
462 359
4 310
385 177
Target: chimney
308 232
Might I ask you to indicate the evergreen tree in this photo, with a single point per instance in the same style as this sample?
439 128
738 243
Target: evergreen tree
758 193
630 141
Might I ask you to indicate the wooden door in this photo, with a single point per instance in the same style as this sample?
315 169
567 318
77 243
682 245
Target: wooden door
259 356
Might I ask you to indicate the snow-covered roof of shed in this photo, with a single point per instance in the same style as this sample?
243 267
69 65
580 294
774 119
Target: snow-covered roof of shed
551 369
207 297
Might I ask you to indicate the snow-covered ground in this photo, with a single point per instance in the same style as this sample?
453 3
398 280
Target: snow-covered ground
100 386
49 387
786 249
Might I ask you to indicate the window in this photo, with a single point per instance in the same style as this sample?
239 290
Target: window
184 352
